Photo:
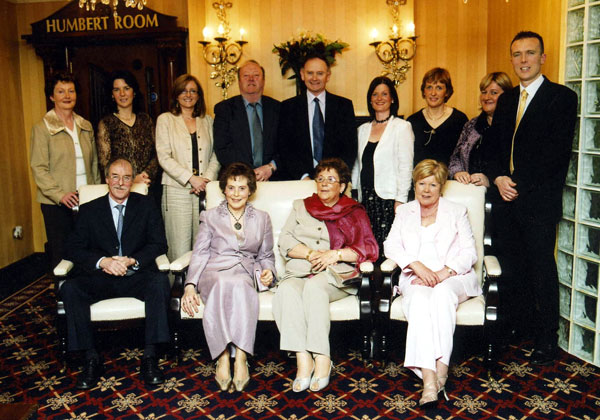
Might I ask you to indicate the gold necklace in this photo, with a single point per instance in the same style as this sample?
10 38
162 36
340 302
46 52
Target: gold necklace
237 225
428 112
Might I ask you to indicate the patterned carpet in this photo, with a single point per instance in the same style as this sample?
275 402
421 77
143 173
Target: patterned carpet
29 372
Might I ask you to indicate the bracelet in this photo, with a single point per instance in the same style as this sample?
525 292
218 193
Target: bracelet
451 271
310 251
339 253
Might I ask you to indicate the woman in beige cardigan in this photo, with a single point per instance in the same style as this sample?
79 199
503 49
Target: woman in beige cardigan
184 145
63 157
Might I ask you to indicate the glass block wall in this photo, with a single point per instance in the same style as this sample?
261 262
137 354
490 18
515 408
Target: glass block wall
579 229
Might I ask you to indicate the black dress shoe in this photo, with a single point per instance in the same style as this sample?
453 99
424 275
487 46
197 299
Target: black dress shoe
91 371
544 355
150 371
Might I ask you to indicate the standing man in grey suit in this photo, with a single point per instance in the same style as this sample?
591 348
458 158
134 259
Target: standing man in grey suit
306 136
530 143
245 126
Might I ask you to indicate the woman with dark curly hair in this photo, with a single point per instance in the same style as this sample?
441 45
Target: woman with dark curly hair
128 132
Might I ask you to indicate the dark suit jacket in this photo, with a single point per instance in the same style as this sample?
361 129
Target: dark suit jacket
294 144
542 149
95 235
231 130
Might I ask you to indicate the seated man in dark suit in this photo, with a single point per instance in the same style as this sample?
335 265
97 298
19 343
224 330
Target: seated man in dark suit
113 246
305 136
245 126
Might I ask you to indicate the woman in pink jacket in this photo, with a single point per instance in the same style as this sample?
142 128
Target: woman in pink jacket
432 242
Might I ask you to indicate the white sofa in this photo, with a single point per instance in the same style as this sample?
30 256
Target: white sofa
276 198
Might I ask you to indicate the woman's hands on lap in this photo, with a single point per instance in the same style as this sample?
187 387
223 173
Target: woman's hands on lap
320 259
266 277
190 300
426 277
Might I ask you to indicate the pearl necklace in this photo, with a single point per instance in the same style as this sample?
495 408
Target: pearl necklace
237 225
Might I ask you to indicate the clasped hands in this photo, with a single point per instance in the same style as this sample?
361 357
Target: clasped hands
320 259
198 184
476 179
427 277
190 300
117 265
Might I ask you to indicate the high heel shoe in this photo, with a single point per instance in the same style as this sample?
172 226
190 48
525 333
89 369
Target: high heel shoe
240 385
317 384
429 397
441 384
302 384
223 383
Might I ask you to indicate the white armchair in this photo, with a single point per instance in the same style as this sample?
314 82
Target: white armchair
477 311
276 198
108 313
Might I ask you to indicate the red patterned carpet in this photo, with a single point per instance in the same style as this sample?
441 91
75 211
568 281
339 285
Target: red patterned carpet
29 372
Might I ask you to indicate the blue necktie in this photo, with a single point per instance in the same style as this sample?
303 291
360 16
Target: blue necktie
257 136
318 129
120 208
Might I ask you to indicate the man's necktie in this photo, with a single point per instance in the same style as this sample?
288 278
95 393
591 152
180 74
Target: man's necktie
520 113
257 135
120 208
318 129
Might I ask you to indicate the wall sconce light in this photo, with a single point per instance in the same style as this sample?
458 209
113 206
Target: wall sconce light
224 54
396 53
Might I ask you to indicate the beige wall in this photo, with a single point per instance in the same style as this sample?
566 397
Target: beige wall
15 198
469 39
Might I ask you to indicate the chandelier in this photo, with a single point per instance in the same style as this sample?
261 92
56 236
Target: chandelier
224 54
396 53
91 4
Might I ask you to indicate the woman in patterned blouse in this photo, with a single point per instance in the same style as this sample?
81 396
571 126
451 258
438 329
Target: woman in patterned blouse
128 132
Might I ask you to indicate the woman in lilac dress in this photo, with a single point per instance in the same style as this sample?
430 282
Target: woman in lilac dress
233 253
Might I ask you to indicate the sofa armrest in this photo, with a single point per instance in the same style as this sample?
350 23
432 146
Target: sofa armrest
181 263
492 266
366 267
388 266
63 268
162 262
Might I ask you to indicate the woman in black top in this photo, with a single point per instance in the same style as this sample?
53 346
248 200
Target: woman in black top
437 126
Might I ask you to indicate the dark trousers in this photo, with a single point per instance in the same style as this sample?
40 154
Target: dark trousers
59 222
529 285
80 292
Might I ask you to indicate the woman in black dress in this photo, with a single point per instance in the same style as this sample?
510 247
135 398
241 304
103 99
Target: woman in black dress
437 126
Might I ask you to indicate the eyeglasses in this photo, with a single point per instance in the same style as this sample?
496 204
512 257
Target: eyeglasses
328 180
192 92
116 178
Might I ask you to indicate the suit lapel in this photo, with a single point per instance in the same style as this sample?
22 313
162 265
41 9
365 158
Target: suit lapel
106 219
330 108
131 213
538 102
240 118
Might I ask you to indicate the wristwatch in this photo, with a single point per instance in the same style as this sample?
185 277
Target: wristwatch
136 266
339 252
451 271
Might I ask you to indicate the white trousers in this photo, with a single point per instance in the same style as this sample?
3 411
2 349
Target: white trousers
431 315
180 211
301 311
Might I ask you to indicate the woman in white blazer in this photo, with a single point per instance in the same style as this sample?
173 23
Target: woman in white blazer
184 145
382 171
432 242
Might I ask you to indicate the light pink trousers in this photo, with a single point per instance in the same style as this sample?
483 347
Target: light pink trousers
431 315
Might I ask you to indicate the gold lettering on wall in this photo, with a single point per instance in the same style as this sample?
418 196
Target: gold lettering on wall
101 23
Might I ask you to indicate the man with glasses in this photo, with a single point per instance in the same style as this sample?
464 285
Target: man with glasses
113 246
245 127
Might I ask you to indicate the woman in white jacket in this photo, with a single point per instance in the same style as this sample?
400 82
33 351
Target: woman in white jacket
184 145
383 167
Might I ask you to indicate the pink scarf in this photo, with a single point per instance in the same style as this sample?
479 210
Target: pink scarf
348 226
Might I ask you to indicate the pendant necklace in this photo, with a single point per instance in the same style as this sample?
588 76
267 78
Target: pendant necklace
237 225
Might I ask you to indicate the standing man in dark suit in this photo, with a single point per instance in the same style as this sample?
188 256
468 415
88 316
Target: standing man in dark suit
531 141
306 136
115 242
245 126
